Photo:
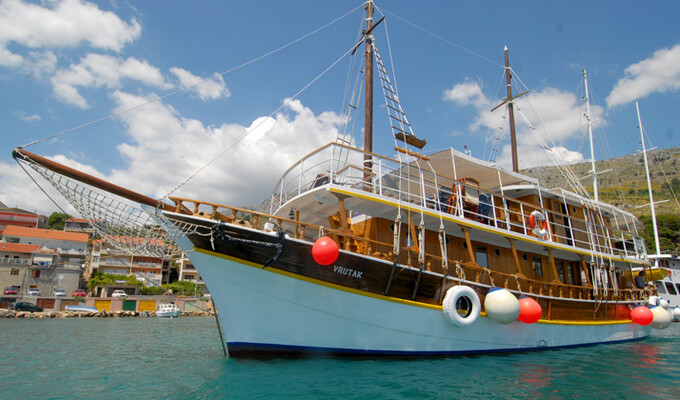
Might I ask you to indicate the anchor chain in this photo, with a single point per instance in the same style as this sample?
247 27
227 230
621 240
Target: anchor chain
215 231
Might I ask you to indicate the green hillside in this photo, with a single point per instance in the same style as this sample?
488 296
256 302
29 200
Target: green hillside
622 182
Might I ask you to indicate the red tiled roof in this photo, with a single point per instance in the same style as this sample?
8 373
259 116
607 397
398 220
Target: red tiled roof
12 230
78 220
19 247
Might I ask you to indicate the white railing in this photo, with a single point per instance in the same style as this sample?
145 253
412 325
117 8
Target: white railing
14 261
413 183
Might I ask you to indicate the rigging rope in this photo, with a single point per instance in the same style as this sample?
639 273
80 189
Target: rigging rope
262 121
445 40
187 88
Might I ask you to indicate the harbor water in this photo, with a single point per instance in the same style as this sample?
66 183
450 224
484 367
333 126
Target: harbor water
153 358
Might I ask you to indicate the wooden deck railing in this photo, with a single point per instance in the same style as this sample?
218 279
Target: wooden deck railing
458 269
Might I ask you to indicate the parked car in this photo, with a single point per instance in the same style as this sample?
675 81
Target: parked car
10 290
59 292
119 293
34 292
24 306
79 292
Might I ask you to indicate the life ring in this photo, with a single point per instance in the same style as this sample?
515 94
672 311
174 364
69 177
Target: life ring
465 299
543 230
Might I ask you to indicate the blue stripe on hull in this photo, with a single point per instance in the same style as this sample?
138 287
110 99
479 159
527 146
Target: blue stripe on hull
255 350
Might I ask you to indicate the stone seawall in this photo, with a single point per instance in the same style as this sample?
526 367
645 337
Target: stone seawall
99 314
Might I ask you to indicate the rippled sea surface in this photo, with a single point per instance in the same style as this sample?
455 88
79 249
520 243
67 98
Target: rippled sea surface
151 358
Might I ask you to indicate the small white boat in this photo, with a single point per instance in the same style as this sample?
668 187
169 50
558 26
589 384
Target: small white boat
81 308
168 310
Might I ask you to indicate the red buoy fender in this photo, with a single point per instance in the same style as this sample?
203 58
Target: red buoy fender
529 310
325 251
641 315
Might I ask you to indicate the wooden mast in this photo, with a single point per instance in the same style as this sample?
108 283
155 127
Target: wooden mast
368 113
511 112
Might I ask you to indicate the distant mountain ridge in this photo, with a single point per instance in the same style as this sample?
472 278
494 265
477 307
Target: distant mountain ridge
622 180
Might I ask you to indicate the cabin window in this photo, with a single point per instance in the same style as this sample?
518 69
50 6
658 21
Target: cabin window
560 270
660 288
671 288
482 259
14 271
570 274
36 273
677 285
538 267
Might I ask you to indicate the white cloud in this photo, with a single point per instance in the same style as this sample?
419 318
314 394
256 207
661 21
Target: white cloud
659 73
97 70
66 23
557 116
39 64
18 190
210 89
467 93
164 148
26 117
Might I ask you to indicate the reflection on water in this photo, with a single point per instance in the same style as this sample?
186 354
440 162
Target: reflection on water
182 359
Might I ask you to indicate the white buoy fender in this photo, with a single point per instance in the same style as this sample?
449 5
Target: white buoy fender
663 303
501 306
676 313
662 318
461 305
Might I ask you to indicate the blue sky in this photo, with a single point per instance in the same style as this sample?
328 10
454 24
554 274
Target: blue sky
66 63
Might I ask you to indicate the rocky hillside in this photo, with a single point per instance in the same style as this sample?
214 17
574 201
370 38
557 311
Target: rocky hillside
622 181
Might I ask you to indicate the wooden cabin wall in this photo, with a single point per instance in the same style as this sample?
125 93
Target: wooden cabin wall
558 222
578 225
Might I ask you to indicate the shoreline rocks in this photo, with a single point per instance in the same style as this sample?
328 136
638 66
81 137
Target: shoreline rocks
99 314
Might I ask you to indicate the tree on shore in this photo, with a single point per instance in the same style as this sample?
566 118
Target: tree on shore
669 233
57 221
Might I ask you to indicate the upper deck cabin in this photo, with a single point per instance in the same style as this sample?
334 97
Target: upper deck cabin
457 192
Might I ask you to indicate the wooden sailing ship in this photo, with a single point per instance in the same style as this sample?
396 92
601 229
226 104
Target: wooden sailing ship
411 255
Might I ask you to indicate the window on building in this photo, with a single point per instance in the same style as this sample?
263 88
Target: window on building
538 267
482 258
35 273
671 288
14 271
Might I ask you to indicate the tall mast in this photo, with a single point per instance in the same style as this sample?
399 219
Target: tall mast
649 186
368 116
590 135
511 113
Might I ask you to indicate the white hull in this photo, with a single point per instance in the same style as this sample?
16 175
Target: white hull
168 311
264 311
168 314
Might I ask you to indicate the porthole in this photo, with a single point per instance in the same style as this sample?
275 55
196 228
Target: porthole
465 245
525 257
497 252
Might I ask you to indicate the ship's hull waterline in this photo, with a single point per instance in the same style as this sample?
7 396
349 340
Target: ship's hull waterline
263 311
